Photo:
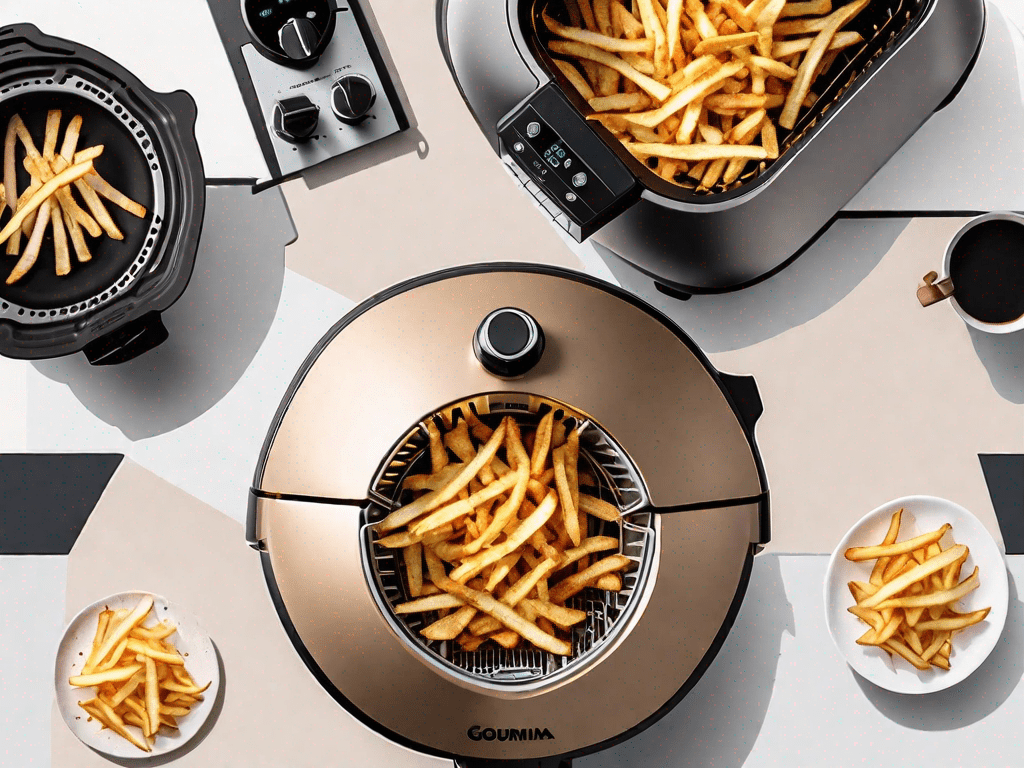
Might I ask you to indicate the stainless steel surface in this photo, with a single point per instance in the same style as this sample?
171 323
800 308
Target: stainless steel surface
87 89
346 53
713 243
522 672
397 361
315 553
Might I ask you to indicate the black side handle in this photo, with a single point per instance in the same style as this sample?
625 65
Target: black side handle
127 342
549 762
743 390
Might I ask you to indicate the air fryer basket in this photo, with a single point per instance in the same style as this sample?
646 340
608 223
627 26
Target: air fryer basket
110 306
882 24
608 613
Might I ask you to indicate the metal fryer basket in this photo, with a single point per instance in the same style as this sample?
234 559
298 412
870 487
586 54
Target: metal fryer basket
881 25
608 613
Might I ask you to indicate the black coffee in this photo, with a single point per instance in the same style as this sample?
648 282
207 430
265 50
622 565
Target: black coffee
987 270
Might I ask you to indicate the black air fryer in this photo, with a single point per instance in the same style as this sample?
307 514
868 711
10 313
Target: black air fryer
108 307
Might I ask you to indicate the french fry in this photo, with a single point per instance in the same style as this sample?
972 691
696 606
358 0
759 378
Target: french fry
65 177
589 52
829 26
571 585
904 547
956 622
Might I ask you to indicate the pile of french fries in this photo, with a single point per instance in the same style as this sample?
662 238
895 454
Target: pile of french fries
501 523
908 601
697 88
139 677
48 201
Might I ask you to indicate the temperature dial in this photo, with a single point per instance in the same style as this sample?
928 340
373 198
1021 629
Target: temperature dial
352 96
290 32
295 119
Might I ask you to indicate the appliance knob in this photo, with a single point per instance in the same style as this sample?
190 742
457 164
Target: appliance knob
508 343
296 118
298 38
351 98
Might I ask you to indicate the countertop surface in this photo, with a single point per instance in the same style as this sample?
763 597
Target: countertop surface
867 396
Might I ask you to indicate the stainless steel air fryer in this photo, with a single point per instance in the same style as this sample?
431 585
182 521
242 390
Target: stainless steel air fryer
915 56
668 439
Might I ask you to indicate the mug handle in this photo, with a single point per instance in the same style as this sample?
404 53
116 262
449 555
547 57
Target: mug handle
933 292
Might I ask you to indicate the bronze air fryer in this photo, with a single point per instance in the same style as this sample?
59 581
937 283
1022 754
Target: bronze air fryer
668 439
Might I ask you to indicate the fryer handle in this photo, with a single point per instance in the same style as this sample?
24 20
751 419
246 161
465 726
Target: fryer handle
746 398
128 341
551 762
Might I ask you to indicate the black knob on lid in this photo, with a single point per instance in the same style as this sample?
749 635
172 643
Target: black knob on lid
508 343
295 119
298 38
351 98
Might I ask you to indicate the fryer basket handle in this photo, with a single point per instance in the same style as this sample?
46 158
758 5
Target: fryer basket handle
128 341
745 395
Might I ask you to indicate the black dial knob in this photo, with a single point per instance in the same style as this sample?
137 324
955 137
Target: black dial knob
508 343
295 119
298 38
351 98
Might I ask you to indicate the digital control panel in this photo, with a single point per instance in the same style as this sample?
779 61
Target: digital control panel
578 175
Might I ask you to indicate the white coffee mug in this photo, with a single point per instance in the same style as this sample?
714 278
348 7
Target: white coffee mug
937 289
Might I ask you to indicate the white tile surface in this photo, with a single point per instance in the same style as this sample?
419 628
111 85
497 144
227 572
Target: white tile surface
31 624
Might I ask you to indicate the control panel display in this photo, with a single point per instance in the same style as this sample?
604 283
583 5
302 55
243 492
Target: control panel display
266 17
575 177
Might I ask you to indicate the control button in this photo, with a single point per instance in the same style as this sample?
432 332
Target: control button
532 188
579 180
567 163
563 221
352 96
508 343
571 197
296 118
533 129
298 38
518 146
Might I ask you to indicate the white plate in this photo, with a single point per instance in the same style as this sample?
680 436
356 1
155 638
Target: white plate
190 640
971 646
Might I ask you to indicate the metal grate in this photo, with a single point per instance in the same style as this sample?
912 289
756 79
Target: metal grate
617 481
880 24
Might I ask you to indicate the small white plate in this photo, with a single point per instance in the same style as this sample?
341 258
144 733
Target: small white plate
971 646
190 640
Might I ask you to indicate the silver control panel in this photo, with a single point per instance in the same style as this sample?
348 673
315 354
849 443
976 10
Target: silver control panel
276 84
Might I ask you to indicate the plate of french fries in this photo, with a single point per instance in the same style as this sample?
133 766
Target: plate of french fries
135 676
916 595
703 92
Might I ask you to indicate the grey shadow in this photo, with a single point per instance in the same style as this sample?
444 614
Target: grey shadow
969 701
195 741
1003 358
812 283
390 147
216 327
718 722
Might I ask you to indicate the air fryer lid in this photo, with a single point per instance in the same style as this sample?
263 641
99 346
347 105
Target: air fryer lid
151 155
408 352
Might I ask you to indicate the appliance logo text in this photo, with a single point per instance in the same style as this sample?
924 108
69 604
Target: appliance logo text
476 733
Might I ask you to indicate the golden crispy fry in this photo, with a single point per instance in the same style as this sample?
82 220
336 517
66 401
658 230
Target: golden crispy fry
915 574
584 51
903 547
723 43
960 621
598 40
579 581
62 179
830 25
